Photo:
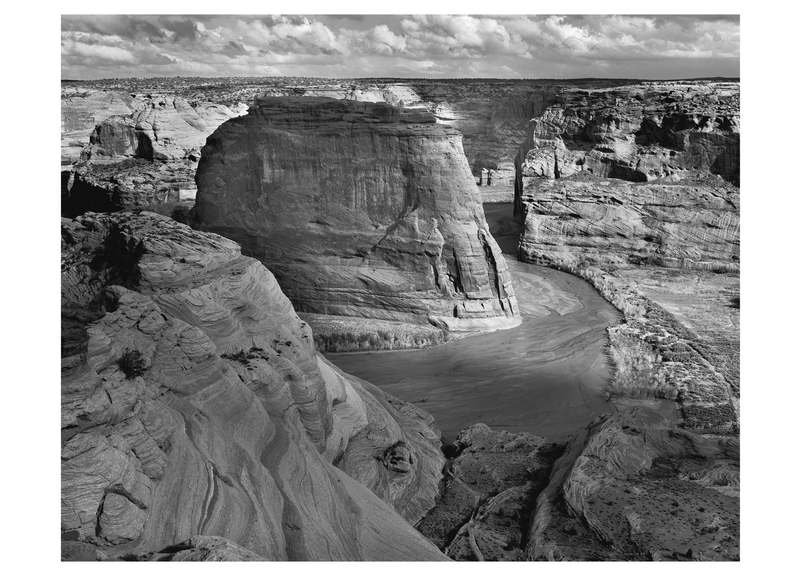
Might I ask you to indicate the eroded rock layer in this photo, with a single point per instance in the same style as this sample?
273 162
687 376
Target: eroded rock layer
359 209
680 138
194 405
489 492
615 180
145 155
635 487
616 223
629 487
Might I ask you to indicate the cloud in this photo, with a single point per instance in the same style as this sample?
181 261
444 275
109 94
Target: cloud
448 46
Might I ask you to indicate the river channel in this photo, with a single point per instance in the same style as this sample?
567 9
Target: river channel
546 376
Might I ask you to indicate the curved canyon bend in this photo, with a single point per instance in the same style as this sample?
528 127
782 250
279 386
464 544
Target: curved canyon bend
546 376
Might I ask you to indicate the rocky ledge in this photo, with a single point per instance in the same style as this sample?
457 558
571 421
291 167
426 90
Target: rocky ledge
360 210
617 223
629 487
194 405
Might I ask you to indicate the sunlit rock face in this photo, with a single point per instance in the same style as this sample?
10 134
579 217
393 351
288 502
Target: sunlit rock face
142 151
641 132
82 110
194 405
359 209
618 223
162 128
640 174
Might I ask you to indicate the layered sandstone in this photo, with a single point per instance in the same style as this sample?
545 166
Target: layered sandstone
160 128
82 110
147 155
360 209
615 180
194 405
640 132
613 222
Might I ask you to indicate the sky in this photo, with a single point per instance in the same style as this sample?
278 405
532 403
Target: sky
423 46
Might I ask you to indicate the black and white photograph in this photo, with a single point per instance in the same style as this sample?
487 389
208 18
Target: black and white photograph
397 287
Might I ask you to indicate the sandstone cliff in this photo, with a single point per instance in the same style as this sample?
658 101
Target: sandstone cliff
194 405
612 222
611 182
161 128
147 155
359 209
82 110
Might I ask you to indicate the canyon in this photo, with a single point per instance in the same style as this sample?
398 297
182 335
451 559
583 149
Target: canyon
201 420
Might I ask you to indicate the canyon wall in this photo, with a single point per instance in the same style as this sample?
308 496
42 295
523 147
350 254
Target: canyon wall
359 209
640 173
198 420
613 181
160 117
147 155
618 223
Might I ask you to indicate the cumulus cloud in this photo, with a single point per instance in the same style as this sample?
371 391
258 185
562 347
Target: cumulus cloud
428 45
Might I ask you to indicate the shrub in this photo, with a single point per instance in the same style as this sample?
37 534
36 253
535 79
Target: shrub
132 364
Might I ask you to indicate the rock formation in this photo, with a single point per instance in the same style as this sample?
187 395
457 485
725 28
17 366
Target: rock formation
82 110
643 175
635 487
489 493
628 487
194 405
145 156
491 116
160 117
618 223
639 132
359 209
670 133
162 128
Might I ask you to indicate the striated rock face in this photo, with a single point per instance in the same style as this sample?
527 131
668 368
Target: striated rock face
163 128
617 223
145 156
639 174
635 487
194 404
640 133
82 110
359 209
491 116
128 184
611 181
